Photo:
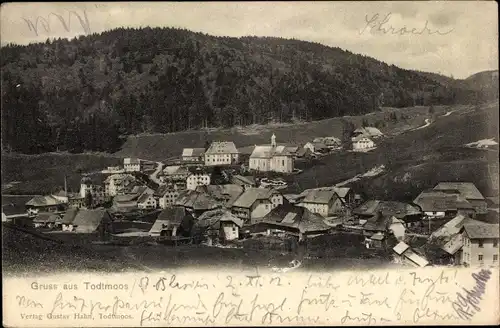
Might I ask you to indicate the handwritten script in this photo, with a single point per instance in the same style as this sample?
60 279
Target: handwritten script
438 295
377 24
45 23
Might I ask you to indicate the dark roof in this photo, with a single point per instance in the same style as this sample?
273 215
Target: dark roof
46 218
69 216
480 230
144 197
319 196
250 195
212 219
227 193
387 208
89 220
295 217
467 189
196 200
39 201
193 152
378 223
440 200
169 218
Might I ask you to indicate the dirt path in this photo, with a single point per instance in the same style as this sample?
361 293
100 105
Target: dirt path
427 123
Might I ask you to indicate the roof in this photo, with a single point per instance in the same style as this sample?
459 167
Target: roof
440 200
144 197
243 180
388 208
450 228
163 189
378 236
175 170
360 137
120 178
89 220
453 244
400 248
319 145
369 131
43 201
415 258
228 192
378 223
467 189
46 218
250 195
222 147
193 152
319 196
69 216
213 218
328 141
303 151
169 218
480 230
295 217
268 151
196 200
131 161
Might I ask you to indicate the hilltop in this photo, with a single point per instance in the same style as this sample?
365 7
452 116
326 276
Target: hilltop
85 94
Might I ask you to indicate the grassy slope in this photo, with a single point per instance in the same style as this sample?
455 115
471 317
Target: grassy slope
40 174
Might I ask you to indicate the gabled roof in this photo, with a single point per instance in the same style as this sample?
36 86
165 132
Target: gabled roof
69 216
243 180
222 147
441 200
169 218
175 170
46 218
450 228
196 200
387 208
132 161
319 196
400 248
193 152
163 189
227 193
369 131
480 230
39 201
144 197
89 220
212 219
360 137
268 151
467 189
415 258
250 195
296 217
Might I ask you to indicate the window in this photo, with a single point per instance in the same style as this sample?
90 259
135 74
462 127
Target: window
480 257
495 243
480 244
495 258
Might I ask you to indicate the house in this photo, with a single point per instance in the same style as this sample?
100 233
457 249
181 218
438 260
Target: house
96 191
172 222
480 244
469 191
45 220
408 213
130 200
316 147
90 221
65 222
147 200
196 202
40 204
117 184
11 211
437 204
368 131
362 142
166 195
304 153
197 178
174 173
408 256
221 153
254 203
324 202
218 224
273 157
294 220
193 155
225 194
378 228
132 164
76 202
330 142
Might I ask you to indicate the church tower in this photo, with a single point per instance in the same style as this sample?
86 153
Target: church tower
273 141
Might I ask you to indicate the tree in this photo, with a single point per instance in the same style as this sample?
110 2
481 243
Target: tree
431 110
88 200
365 123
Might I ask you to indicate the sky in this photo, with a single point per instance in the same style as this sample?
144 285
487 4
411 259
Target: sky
454 38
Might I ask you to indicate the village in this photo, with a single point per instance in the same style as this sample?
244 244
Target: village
225 196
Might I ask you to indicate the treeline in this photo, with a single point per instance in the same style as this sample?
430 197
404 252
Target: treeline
83 94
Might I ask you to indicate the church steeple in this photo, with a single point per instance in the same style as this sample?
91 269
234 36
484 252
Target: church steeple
273 141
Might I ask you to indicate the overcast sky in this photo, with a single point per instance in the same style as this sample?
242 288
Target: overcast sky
463 38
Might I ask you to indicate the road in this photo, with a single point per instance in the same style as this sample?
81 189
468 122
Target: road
154 176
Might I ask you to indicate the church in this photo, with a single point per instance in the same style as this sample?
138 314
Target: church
273 157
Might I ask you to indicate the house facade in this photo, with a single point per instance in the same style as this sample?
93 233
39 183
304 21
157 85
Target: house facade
254 203
197 179
98 192
362 143
147 201
316 147
322 202
117 184
193 155
273 157
480 244
167 196
221 153
132 164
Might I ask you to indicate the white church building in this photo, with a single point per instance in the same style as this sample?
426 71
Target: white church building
273 157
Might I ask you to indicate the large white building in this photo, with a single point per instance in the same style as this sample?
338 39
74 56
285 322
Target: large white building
272 157
362 142
132 164
196 179
221 153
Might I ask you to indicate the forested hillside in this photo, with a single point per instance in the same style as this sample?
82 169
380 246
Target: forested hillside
83 94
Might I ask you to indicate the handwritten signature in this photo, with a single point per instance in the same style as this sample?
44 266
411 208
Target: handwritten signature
467 306
376 24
